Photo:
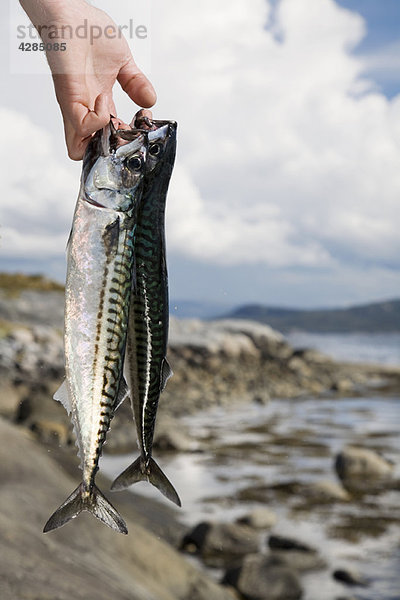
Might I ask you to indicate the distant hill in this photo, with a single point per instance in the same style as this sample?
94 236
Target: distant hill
376 317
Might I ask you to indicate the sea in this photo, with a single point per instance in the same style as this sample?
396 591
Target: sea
375 348
245 451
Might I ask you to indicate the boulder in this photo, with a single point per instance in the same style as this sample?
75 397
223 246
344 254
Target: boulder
171 435
326 491
261 577
85 559
295 554
221 544
259 518
354 462
10 398
299 560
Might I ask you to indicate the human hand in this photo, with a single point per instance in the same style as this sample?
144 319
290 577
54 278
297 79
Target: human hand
84 74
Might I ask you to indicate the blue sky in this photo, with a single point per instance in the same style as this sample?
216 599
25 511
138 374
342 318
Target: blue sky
287 177
382 38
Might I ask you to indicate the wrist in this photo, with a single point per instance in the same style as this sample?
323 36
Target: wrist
42 12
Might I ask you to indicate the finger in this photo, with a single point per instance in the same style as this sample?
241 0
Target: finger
76 145
136 84
86 121
142 119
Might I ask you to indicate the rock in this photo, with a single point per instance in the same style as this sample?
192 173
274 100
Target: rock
259 518
295 554
221 544
326 491
44 416
269 341
300 367
262 398
277 542
343 385
231 337
264 578
10 398
53 431
349 577
85 559
170 435
299 560
361 463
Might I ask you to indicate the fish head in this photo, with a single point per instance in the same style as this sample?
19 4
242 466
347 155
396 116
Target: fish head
162 146
114 169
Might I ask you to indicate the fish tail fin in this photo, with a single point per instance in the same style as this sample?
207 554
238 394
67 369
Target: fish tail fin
139 471
161 482
93 502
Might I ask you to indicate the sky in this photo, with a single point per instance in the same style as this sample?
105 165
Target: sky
287 182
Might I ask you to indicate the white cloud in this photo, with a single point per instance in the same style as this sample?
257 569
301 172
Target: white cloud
287 155
38 191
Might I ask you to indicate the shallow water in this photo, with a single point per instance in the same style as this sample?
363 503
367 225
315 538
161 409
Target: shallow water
376 348
288 444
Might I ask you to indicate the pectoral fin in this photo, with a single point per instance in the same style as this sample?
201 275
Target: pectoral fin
123 393
62 396
166 373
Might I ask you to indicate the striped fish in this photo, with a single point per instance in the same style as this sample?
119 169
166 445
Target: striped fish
97 300
146 366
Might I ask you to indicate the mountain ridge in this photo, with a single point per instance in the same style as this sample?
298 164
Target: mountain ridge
372 317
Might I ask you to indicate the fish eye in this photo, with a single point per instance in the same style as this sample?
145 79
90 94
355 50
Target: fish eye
134 163
155 149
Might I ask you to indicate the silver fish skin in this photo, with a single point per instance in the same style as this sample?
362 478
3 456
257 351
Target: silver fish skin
146 366
97 296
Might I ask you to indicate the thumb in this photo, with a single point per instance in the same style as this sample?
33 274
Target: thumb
136 84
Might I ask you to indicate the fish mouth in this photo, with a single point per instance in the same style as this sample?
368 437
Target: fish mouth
93 202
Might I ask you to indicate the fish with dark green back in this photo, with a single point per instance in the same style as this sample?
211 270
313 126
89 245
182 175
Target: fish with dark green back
97 299
146 366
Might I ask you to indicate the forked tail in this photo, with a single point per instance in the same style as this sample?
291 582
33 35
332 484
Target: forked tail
94 502
140 471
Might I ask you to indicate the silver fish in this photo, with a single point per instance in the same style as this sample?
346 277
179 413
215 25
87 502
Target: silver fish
97 296
146 366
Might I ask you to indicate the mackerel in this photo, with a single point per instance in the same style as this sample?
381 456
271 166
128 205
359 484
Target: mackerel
97 299
146 367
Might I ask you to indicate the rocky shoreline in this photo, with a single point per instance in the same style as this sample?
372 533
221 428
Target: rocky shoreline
221 363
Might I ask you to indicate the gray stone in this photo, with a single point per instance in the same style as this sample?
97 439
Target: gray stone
221 544
299 560
259 518
261 577
84 559
326 491
361 463
170 435
349 577
278 542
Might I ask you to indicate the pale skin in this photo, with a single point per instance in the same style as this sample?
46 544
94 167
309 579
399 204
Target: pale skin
85 73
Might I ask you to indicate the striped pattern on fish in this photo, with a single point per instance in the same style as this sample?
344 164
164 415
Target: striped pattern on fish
146 367
98 290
